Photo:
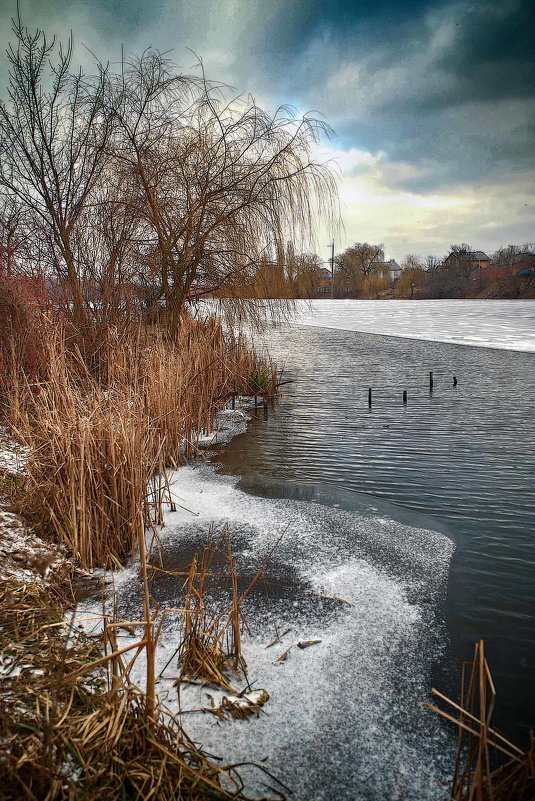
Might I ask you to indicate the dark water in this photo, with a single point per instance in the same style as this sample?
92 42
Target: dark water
464 456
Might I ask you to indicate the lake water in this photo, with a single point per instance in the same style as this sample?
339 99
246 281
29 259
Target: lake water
403 534
464 456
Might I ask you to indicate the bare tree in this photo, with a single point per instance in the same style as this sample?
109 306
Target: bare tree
11 235
306 275
432 262
53 138
514 265
459 261
218 184
412 262
359 270
456 276
149 182
107 255
413 277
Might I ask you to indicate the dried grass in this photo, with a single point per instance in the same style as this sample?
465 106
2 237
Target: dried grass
488 766
210 635
101 431
99 436
69 732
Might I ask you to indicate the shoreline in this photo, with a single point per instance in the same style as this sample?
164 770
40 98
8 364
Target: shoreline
37 574
236 420
202 492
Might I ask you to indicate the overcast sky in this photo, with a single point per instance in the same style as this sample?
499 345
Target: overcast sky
433 103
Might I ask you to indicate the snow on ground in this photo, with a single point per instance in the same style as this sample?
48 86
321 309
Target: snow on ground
23 555
345 718
507 324
26 557
12 455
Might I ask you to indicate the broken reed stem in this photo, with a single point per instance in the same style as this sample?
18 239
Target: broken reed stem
150 687
235 616
478 774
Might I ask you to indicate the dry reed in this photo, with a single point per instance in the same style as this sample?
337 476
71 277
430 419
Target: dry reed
98 436
210 635
67 733
101 430
488 766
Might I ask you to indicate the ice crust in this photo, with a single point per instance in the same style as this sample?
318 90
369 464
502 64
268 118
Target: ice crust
229 423
345 718
504 324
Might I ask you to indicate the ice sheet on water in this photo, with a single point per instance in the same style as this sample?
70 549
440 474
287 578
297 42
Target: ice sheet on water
344 719
229 423
505 324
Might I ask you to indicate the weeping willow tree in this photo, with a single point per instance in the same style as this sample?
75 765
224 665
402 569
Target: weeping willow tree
218 184
145 182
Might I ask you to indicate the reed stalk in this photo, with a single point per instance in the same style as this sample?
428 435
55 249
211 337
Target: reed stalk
100 433
73 735
488 766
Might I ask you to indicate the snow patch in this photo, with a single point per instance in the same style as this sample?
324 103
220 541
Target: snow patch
344 718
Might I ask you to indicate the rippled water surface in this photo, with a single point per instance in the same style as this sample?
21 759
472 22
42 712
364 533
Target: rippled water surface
463 455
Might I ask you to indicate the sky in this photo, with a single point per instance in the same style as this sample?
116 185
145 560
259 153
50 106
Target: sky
432 103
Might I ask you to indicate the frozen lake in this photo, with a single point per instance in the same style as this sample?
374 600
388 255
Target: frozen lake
508 324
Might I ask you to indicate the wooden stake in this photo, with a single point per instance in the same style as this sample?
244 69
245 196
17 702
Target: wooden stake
405 396
430 381
370 397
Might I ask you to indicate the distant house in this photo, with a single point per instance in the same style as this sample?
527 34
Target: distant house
325 282
474 259
393 268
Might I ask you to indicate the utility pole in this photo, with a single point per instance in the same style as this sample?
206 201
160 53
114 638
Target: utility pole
332 269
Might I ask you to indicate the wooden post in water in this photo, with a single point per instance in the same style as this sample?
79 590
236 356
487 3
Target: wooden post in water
233 402
454 380
370 397
405 397
430 381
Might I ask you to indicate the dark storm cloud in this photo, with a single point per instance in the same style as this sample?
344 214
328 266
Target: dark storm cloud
446 85
453 84
492 55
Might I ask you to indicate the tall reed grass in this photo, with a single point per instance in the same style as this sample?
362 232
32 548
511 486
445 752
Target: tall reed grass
99 432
